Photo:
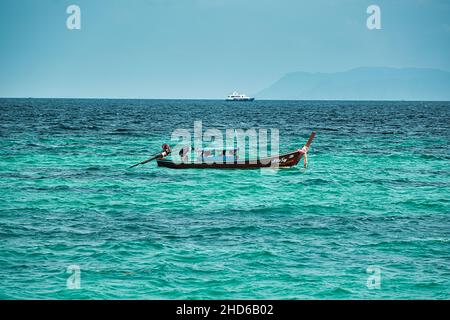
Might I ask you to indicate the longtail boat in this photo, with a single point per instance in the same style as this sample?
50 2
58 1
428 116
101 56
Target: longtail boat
229 162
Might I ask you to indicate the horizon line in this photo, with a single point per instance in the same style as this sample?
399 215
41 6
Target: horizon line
218 99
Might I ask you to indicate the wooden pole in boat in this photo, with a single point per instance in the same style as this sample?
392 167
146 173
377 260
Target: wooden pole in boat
311 137
145 161
166 151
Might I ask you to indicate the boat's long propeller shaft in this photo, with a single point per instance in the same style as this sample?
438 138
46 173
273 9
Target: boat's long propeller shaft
166 151
146 161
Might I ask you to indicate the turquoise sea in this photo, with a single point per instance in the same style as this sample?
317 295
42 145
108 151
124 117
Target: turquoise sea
375 194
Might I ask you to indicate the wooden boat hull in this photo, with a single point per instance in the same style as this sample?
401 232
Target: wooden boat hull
282 161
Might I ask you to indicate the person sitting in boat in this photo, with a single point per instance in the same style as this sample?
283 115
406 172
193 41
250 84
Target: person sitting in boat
184 153
204 154
214 155
234 153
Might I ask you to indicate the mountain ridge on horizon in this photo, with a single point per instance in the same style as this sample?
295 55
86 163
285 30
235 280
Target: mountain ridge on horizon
362 83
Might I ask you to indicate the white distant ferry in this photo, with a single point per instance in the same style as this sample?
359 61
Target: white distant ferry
236 96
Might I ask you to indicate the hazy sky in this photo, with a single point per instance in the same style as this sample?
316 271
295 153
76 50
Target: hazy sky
206 48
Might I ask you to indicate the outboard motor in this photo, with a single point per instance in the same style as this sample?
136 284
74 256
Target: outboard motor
166 150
